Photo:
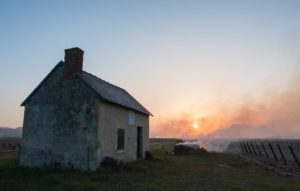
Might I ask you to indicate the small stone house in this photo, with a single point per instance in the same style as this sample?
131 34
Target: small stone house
75 119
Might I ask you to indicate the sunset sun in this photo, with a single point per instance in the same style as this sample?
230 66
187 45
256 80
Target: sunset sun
195 125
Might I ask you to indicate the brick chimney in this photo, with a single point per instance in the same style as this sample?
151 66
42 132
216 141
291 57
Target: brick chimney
73 62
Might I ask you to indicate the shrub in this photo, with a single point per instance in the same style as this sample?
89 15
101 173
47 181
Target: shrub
148 155
70 165
55 164
111 162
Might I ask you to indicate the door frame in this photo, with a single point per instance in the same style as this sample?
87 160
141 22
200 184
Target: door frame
139 142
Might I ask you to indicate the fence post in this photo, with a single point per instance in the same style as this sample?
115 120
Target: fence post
274 155
242 148
282 156
245 147
265 150
295 157
253 149
258 149
249 148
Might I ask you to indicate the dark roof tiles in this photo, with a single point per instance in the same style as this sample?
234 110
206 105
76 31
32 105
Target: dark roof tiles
112 93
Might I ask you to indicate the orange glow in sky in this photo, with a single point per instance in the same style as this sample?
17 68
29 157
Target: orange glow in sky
276 113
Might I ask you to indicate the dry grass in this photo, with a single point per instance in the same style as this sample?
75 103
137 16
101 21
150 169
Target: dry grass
166 172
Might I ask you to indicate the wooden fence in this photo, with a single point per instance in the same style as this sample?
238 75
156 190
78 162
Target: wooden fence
286 152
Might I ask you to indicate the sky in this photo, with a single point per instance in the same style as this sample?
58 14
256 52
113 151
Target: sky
178 58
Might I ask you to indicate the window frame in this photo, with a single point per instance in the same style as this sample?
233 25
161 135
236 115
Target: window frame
131 118
120 145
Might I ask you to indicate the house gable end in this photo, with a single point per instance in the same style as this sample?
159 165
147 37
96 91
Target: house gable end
42 83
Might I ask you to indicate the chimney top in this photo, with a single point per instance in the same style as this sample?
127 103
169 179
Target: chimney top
73 50
73 62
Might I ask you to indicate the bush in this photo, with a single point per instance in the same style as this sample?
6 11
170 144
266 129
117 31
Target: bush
111 162
55 164
148 155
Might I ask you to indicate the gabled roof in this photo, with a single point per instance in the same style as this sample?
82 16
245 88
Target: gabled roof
111 93
105 91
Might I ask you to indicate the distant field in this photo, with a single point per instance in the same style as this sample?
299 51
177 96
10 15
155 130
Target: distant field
8 143
164 140
166 172
17 139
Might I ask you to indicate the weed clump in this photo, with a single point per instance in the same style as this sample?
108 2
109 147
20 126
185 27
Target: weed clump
148 155
111 162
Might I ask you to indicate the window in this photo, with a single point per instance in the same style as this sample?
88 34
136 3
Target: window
131 118
121 139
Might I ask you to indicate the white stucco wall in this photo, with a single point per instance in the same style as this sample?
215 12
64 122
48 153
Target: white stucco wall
111 118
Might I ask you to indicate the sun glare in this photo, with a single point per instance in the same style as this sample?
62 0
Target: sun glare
195 125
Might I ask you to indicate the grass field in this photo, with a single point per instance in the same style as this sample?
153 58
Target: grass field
198 172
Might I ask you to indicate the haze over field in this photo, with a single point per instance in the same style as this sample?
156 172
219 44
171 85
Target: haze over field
198 66
272 114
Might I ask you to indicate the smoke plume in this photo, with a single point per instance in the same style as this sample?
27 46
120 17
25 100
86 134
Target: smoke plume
273 115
